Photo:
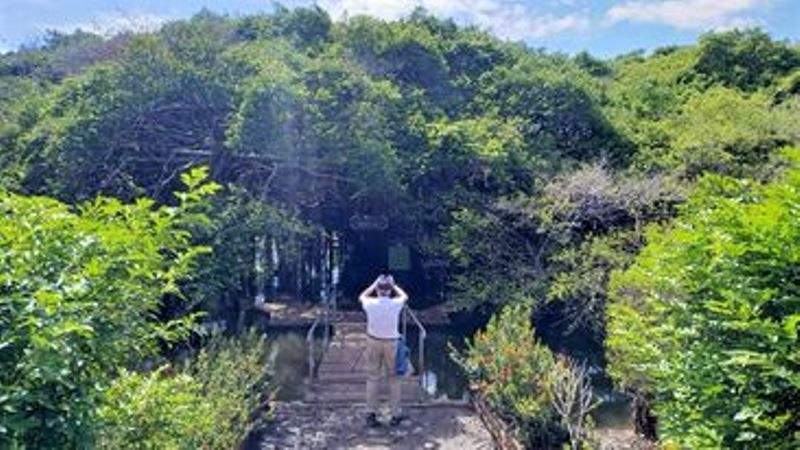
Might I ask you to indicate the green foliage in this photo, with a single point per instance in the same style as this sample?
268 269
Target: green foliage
155 410
199 40
557 244
306 27
581 278
225 277
645 94
593 65
683 118
113 128
744 59
82 288
531 174
724 132
706 318
557 104
214 403
60 55
298 112
506 364
234 375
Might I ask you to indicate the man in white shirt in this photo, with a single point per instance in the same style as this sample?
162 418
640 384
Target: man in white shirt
383 317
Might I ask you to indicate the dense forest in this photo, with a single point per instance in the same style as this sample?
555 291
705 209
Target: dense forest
647 205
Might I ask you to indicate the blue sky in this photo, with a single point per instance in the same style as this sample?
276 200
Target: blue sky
603 27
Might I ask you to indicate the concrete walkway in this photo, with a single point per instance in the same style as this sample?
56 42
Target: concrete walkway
301 425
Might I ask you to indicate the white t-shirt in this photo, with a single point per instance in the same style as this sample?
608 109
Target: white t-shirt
383 316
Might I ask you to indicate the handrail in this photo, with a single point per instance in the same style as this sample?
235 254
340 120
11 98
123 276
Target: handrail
423 333
310 341
325 319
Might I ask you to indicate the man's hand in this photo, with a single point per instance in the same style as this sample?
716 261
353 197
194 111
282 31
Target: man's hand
370 290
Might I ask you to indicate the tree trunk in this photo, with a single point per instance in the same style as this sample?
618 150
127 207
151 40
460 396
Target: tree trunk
645 423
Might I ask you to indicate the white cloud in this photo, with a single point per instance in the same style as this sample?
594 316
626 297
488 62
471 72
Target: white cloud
108 23
509 19
739 22
686 14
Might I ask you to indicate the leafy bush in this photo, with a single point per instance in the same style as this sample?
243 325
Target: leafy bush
234 375
214 403
81 290
507 365
155 410
706 320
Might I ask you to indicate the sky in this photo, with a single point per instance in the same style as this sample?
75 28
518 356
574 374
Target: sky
602 27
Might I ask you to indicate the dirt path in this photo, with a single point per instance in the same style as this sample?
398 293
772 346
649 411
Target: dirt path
310 426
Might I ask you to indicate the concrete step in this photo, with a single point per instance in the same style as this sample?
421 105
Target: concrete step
353 377
358 385
355 390
360 396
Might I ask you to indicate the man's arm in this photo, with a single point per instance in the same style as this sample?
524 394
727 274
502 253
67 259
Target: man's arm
366 292
401 294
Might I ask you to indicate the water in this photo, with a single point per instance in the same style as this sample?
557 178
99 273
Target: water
289 356
614 411
443 377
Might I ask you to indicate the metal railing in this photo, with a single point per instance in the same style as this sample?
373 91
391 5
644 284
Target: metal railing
324 319
423 333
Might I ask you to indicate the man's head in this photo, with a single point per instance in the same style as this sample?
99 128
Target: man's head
384 286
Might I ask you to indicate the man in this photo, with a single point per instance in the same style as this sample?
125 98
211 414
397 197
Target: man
383 317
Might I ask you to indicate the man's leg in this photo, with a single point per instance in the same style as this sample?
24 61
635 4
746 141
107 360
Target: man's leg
395 382
373 356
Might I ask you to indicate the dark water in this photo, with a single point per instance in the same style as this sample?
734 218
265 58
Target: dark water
443 378
289 355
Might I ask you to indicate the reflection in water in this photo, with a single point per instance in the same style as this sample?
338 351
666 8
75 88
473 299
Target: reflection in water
289 357
443 377
613 412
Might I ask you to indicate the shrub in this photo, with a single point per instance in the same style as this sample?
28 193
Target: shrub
573 399
705 321
507 365
155 410
80 290
213 403
234 374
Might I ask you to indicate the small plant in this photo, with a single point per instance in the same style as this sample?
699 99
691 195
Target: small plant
573 399
235 374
